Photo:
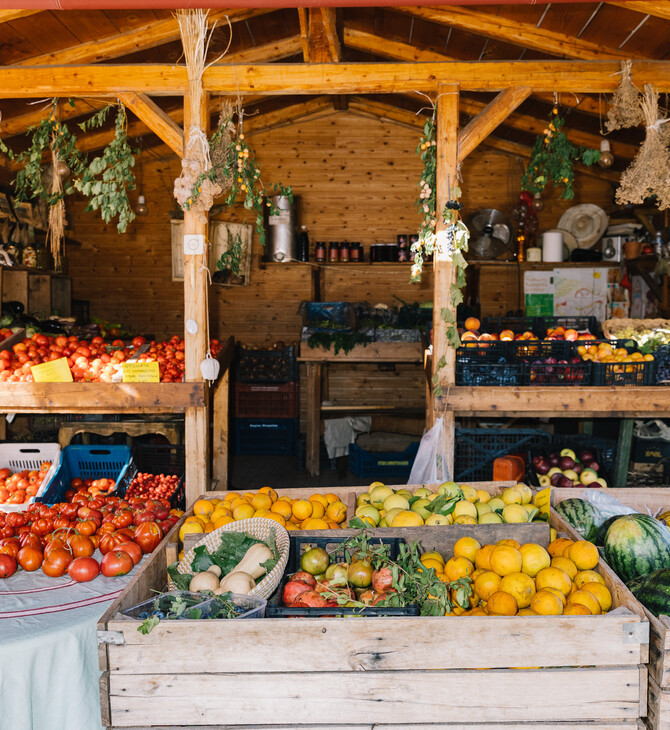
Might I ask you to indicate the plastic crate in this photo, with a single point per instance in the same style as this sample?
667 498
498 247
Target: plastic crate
18 457
335 548
662 358
86 462
157 459
489 371
539 349
477 449
558 374
329 317
265 435
491 350
518 325
249 606
267 401
604 451
581 324
382 465
266 366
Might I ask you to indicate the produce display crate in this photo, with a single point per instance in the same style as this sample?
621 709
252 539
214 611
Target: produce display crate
302 542
557 374
604 452
403 673
157 459
489 371
477 448
18 457
329 317
265 435
624 373
646 500
662 355
266 366
266 401
382 465
539 349
518 325
579 323
86 462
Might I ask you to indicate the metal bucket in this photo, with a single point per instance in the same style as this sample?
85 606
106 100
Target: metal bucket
281 241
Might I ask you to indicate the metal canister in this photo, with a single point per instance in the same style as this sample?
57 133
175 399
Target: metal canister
281 242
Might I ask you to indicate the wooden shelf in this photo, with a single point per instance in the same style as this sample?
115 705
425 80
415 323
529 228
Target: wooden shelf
565 402
373 352
100 397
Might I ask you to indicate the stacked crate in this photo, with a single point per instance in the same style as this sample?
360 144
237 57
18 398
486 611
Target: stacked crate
266 401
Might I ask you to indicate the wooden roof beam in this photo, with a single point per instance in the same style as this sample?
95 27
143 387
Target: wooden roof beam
489 118
156 120
656 8
318 31
512 31
20 123
6 16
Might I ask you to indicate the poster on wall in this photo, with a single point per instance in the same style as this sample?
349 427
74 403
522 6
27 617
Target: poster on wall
580 292
538 287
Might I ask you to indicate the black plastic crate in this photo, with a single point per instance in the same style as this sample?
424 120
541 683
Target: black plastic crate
265 435
662 357
604 452
518 325
382 465
477 449
624 373
487 371
491 350
266 366
581 324
329 317
335 547
558 374
158 459
279 400
539 349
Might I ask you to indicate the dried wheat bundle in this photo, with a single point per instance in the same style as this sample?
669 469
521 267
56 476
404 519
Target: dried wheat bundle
625 108
649 173
56 231
223 156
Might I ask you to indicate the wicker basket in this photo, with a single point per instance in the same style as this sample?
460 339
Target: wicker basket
609 325
259 528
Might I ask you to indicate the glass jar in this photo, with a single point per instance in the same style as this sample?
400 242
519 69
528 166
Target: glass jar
345 251
333 252
43 257
29 256
355 251
320 252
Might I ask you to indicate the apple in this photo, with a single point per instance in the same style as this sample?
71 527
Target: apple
601 482
554 470
586 456
536 458
565 482
544 481
594 465
553 459
568 452
555 478
577 468
566 462
588 476
571 474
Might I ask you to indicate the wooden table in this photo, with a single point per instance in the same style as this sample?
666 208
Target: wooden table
317 361
172 430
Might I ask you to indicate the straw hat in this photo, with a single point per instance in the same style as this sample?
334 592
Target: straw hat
586 222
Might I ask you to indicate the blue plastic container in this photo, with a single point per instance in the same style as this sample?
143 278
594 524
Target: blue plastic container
382 465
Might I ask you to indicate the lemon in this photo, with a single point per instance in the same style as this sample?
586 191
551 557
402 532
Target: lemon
465 520
490 518
396 501
483 495
363 499
369 513
514 513
470 493
526 493
390 515
448 489
379 494
407 518
437 519
495 504
465 508
482 508
422 492
375 484
511 495
420 507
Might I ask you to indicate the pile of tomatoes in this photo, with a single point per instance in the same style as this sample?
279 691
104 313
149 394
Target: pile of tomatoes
94 360
19 487
153 486
63 538
5 333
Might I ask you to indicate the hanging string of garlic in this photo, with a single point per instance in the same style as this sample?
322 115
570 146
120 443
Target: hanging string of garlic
648 175
625 108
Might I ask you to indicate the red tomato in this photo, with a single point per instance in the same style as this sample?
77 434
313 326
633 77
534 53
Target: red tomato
123 518
15 519
139 341
86 527
30 558
83 569
8 565
148 536
110 541
116 562
81 546
56 563
28 539
133 549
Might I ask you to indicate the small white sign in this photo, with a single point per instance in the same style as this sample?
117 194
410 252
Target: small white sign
194 245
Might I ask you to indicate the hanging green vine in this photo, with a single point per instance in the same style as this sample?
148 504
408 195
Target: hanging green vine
231 258
553 158
426 202
107 179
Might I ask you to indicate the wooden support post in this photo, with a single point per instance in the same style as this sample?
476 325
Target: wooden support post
623 452
313 441
220 430
447 172
156 119
195 308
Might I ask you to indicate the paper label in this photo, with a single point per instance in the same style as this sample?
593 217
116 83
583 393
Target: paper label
141 372
56 371
281 218
542 500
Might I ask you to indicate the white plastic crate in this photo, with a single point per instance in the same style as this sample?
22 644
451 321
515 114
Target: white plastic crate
18 457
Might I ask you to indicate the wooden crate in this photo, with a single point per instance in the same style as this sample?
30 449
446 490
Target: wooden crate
645 500
413 672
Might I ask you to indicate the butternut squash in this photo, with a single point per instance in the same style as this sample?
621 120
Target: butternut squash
236 582
251 562
205 581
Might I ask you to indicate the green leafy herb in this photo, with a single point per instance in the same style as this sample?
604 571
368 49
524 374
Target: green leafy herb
148 624
231 258
339 340
181 580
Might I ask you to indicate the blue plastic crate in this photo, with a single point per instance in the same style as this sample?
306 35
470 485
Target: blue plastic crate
382 465
477 449
86 462
265 435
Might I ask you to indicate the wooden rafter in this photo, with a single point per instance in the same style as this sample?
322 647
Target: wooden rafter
78 107
657 8
520 34
330 33
141 38
490 117
155 119
304 33
273 51
6 16
320 42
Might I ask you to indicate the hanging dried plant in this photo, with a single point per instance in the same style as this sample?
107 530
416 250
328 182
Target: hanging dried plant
648 174
624 108
56 232
223 155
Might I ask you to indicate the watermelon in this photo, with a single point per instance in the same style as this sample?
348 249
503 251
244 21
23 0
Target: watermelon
653 591
602 530
636 545
582 515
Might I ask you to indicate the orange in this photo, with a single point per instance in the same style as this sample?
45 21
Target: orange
331 497
483 557
249 496
321 499
436 565
302 509
238 501
243 511
203 507
432 554
276 517
546 604
527 612
209 527
513 543
466 547
283 508
291 525
505 559
261 501
557 547
314 523
270 492
477 612
501 604
583 554
586 599
553 578
487 584
334 525
566 565
535 558
602 593
337 511
230 496
576 609
223 520
261 513
199 519
519 585
188 528
558 594
318 510
588 576
456 568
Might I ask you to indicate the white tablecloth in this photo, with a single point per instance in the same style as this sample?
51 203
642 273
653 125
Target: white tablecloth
49 674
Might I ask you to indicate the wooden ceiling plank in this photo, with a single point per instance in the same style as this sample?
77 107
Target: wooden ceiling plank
304 33
371 43
512 31
274 51
155 119
328 19
321 106
489 118
6 16
656 8
141 38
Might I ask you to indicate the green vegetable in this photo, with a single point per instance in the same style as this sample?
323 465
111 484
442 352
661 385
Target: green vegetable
181 580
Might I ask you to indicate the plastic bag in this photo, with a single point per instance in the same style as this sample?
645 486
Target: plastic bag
654 429
430 465
606 504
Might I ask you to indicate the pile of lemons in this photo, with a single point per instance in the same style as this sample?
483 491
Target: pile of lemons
509 579
382 506
318 512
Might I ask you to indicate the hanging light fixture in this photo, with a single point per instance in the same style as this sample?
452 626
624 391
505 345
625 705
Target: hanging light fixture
606 156
141 208
538 203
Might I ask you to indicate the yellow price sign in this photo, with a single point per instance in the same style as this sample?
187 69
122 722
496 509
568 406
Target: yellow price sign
56 371
543 500
141 372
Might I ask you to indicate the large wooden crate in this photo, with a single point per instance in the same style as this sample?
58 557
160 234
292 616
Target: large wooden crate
645 500
356 674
